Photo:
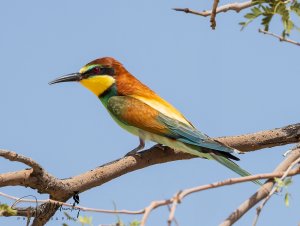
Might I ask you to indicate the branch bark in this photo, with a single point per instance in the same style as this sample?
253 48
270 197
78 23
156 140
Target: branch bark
175 200
262 193
237 7
63 189
213 15
282 39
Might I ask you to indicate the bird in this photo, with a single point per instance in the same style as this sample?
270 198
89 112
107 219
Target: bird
140 111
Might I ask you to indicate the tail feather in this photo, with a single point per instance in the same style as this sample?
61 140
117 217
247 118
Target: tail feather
233 166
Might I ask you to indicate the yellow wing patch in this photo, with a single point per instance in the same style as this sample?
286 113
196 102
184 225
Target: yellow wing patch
164 107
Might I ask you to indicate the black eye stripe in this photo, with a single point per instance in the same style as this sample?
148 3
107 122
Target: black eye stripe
107 71
99 71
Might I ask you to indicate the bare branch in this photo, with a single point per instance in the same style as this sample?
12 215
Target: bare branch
21 178
274 189
53 205
178 197
213 15
264 139
83 208
172 209
282 39
63 189
153 206
222 9
262 192
13 156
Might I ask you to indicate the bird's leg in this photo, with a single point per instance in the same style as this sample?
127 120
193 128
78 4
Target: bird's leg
138 148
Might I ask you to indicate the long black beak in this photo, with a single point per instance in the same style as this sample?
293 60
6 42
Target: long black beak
74 77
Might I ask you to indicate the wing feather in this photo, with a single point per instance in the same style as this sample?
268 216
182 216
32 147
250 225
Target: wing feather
134 112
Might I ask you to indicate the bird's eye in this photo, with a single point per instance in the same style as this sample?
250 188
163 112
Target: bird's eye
96 70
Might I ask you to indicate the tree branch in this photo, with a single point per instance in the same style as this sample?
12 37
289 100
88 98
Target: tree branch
179 196
13 156
213 15
176 199
222 9
282 39
264 139
274 189
262 192
63 189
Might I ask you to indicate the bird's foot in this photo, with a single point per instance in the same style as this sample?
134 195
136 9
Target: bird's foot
138 148
160 146
133 152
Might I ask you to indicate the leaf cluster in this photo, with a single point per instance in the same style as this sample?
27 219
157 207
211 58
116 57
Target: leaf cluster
267 9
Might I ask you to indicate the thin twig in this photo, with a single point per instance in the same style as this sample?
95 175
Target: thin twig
82 208
153 205
232 6
173 208
179 196
263 191
213 15
173 218
281 38
274 189
63 189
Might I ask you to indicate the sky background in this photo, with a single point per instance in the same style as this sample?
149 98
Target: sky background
226 82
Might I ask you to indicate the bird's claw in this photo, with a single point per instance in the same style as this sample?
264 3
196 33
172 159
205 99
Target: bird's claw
133 153
159 146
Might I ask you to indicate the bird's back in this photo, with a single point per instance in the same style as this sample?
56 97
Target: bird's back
128 85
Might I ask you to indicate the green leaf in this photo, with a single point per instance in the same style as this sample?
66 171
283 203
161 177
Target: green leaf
250 16
256 11
266 21
287 199
85 220
279 182
289 26
288 181
268 8
135 223
295 7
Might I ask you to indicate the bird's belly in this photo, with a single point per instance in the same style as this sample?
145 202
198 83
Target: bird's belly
174 144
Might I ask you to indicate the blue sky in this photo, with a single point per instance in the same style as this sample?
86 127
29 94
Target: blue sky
225 81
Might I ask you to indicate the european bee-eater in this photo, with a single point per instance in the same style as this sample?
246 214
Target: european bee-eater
140 111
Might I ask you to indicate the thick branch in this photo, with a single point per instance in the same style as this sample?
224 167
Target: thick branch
222 9
176 199
21 177
264 139
63 189
46 183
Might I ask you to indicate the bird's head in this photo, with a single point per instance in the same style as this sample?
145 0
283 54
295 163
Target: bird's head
97 76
